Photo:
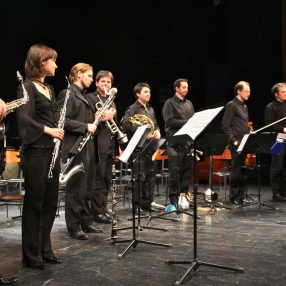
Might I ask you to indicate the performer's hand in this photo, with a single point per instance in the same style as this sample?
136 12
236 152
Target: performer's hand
149 136
55 132
156 134
91 128
3 109
108 114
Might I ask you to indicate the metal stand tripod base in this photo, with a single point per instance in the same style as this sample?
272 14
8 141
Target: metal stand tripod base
136 241
259 205
114 235
195 264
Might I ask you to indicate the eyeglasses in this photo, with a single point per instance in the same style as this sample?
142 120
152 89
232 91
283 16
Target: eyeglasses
245 90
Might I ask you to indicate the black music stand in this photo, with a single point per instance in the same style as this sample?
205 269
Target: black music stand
137 149
257 143
204 118
210 145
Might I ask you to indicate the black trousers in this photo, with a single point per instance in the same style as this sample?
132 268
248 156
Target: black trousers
278 173
40 203
145 181
103 183
179 180
79 190
238 175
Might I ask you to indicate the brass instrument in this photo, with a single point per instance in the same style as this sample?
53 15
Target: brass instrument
121 137
139 120
11 106
104 107
208 196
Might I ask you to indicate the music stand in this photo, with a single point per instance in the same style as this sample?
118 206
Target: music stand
210 145
135 144
257 143
196 125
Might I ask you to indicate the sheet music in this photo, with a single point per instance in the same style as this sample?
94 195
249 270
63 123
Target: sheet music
198 122
133 143
242 143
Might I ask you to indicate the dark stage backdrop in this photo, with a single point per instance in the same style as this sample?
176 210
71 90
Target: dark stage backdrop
213 43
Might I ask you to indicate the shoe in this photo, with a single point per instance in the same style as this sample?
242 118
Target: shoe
8 281
149 209
247 199
141 211
36 265
101 219
80 235
237 200
278 198
108 215
92 229
170 208
53 260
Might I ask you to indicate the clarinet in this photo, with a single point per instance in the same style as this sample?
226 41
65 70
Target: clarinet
61 124
113 209
98 116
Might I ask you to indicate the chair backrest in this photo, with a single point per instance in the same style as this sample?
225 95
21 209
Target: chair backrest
226 155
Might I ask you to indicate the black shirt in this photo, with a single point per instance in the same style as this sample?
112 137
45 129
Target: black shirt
33 116
176 113
274 111
138 108
235 120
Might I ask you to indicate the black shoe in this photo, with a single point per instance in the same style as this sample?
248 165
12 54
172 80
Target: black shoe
80 235
91 229
237 200
101 219
108 215
53 260
247 199
278 198
36 265
8 281
137 212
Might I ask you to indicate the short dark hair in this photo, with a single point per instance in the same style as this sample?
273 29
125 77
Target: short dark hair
103 73
138 87
178 82
35 56
275 87
239 86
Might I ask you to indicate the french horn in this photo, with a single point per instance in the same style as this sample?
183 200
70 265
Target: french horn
139 120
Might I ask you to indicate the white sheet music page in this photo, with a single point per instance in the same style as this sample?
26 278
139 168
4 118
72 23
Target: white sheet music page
242 143
199 122
133 143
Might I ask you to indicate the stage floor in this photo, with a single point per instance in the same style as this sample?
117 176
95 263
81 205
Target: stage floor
248 238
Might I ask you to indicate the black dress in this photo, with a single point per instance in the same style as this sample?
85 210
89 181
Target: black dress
40 200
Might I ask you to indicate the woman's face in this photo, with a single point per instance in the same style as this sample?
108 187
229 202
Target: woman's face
49 67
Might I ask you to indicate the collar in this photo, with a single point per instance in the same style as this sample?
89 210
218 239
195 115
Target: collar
279 102
82 91
137 103
179 100
238 101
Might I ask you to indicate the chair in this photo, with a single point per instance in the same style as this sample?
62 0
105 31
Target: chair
225 157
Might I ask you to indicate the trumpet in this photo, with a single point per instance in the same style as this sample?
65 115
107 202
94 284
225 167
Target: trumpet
121 137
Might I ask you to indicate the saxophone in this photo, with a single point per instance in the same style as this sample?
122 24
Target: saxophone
11 106
98 116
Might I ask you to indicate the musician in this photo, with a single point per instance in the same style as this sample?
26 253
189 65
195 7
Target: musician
79 120
3 280
142 92
176 112
274 111
107 149
235 123
37 125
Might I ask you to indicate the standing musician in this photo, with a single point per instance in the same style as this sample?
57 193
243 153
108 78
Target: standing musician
176 112
142 92
107 149
4 280
274 111
37 126
235 123
79 121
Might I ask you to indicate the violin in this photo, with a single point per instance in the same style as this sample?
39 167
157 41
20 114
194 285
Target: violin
250 159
